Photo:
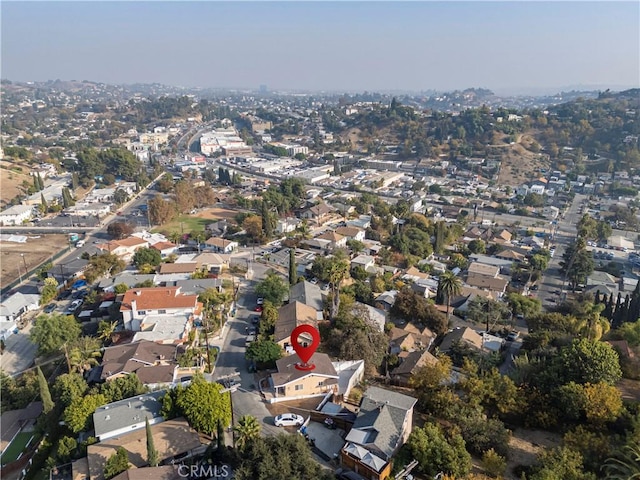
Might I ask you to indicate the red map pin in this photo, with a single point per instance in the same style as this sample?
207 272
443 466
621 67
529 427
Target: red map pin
306 347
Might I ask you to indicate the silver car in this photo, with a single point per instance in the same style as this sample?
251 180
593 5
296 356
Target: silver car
288 420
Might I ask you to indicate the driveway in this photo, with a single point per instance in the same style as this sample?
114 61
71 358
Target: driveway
19 351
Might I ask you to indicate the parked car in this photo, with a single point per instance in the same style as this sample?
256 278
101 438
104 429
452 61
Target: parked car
513 336
255 319
260 301
64 294
288 420
50 308
258 308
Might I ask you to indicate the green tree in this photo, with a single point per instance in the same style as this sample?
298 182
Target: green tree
45 394
523 305
122 387
83 354
204 405
106 329
268 319
589 361
50 332
477 246
488 311
264 352
293 273
561 463
450 286
334 270
273 288
44 207
577 263
247 429
69 387
78 415
66 449
281 457
267 221
152 453
147 256
49 291
436 453
494 464
116 463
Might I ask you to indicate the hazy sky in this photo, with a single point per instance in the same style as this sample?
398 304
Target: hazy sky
352 46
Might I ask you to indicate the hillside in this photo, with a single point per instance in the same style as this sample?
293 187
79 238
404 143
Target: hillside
562 137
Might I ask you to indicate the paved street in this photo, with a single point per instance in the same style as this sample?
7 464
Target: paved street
232 361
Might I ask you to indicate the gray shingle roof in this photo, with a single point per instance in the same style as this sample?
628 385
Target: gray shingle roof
307 293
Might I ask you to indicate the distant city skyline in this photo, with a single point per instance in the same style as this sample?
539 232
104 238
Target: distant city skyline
508 47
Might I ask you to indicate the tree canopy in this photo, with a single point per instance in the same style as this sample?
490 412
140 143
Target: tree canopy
51 332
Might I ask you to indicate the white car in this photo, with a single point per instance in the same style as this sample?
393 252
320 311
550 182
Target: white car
288 420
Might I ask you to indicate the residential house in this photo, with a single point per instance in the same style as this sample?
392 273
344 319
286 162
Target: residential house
366 262
335 240
286 225
465 336
165 248
219 228
16 215
363 221
289 383
159 314
124 248
221 245
195 286
127 415
63 272
410 362
13 422
383 425
291 316
83 209
376 316
319 214
410 339
351 233
188 268
503 236
12 308
155 364
486 276
386 300
308 294
171 439
126 278
214 263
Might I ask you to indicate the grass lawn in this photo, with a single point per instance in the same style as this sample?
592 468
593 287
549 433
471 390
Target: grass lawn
184 224
16 447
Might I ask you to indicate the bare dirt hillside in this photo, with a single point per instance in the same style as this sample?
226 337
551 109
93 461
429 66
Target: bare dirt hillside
11 177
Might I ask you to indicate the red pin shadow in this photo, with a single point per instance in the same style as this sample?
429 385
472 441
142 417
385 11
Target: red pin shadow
306 349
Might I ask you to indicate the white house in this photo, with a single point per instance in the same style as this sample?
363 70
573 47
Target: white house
140 305
286 225
117 418
16 215
12 309
221 245
351 233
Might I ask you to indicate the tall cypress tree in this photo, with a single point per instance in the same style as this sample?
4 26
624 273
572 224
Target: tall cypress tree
608 309
45 394
267 228
43 202
293 273
634 305
75 181
597 300
40 182
36 184
152 453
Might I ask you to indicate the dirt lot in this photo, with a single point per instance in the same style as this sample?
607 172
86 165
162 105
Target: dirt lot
525 445
217 213
36 250
10 181
519 165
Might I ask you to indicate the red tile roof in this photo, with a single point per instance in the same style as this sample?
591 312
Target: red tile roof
157 298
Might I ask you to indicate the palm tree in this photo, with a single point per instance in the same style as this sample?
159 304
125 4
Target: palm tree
83 354
175 237
106 330
449 286
304 230
627 464
246 430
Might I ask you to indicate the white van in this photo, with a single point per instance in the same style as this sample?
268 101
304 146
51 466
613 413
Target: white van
80 243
